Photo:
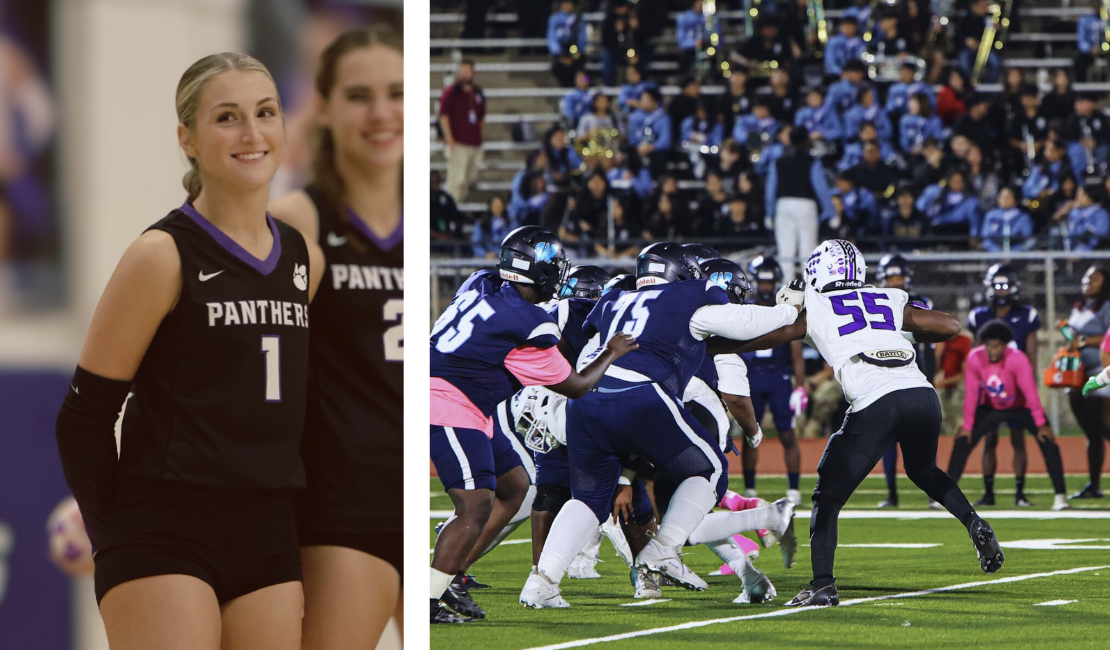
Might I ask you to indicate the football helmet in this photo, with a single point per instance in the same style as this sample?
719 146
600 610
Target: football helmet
533 255
765 269
836 264
539 417
666 262
585 281
1001 277
727 275
892 265
701 252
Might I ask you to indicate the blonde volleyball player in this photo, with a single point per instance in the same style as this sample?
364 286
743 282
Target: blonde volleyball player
205 321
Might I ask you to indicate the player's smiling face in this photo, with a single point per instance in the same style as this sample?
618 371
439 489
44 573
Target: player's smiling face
365 110
239 137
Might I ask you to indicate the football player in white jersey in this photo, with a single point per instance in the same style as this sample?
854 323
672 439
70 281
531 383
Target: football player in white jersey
867 334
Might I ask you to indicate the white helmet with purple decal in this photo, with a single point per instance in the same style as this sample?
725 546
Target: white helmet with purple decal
835 265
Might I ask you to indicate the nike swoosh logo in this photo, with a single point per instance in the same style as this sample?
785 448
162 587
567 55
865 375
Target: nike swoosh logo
206 278
75 389
336 240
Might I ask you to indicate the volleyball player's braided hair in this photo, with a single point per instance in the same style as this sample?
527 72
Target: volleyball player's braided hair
324 174
189 90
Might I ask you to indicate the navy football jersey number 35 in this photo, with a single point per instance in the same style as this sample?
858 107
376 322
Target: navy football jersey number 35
453 337
638 315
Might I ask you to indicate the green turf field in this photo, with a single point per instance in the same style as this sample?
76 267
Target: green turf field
882 604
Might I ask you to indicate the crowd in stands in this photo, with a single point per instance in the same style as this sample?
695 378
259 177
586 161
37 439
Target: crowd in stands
911 155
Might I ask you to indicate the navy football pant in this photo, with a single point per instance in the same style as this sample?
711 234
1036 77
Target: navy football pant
641 421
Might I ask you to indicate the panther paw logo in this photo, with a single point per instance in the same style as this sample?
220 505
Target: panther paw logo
300 276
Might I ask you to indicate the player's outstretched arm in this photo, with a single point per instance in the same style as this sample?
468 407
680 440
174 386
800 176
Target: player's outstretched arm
792 332
741 408
929 326
578 384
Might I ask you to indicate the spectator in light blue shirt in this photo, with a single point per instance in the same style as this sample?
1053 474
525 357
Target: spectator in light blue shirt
860 208
649 127
756 129
950 208
702 129
490 229
690 33
1044 178
1007 227
566 42
576 102
844 94
1090 38
1088 221
918 125
818 118
867 110
843 47
899 93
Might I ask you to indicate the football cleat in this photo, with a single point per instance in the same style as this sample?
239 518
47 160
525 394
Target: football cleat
750 549
459 600
616 535
889 502
1061 503
824 597
1088 492
1021 502
986 545
666 561
541 593
986 500
795 497
757 588
750 493
441 614
470 582
582 568
788 542
644 583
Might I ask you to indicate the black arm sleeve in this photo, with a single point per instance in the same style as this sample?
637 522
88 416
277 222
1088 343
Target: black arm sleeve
85 431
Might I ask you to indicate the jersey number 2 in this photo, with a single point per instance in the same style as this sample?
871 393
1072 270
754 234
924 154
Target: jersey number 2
841 307
394 337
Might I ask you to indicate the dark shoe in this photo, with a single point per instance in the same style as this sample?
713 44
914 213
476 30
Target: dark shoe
1021 502
459 600
441 614
824 597
986 545
987 500
1088 492
889 502
469 582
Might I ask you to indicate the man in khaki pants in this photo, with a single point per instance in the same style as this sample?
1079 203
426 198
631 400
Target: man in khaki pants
462 114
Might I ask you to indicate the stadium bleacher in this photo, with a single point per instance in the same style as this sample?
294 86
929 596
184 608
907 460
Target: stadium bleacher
524 100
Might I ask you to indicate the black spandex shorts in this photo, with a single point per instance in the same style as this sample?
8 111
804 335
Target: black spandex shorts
354 497
236 541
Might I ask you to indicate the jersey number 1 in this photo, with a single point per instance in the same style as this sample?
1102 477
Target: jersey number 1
870 304
271 347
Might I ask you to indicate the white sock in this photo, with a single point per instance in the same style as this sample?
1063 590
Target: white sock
522 515
722 525
570 531
731 555
592 548
440 582
693 498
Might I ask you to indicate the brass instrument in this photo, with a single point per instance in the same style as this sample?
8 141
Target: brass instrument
990 40
762 69
939 36
709 61
598 143
887 68
751 12
815 18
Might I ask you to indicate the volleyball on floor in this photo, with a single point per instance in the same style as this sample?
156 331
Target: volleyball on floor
65 530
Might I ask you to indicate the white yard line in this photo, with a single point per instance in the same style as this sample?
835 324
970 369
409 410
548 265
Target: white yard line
1053 603
652 601
987 513
787 611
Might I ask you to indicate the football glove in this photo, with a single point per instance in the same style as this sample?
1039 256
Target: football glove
799 401
1094 383
793 294
754 441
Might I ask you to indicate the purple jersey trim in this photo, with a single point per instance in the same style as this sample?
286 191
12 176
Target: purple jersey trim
386 244
265 267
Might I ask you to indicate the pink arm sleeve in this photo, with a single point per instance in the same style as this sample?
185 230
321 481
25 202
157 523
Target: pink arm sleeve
1027 385
1105 345
971 390
535 367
